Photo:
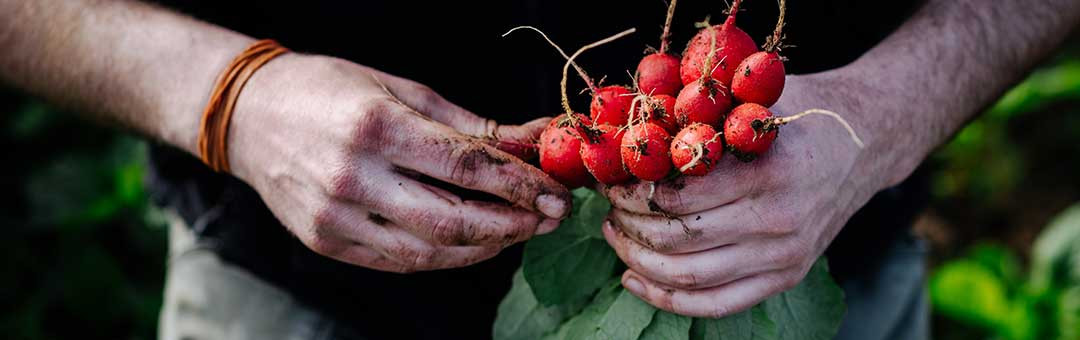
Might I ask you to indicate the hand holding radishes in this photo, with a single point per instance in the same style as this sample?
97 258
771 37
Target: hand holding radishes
717 244
339 152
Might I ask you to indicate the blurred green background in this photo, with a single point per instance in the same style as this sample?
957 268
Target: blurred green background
83 254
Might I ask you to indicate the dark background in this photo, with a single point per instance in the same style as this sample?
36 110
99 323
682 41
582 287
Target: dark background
84 252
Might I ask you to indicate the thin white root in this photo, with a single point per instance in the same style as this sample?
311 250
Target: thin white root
570 61
581 71
699 152
665 37
854 137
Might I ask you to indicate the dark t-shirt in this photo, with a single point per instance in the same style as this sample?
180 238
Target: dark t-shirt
455 47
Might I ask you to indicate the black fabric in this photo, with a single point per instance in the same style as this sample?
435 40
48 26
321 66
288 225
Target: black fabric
455 47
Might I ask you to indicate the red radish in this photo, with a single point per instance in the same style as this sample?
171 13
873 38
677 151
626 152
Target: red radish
600 153
560 151
734 45
611 105
658 73
760 77
646 151
660 110
696 149
703 101
751 128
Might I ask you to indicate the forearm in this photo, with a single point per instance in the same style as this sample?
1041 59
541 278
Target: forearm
121 61
939 69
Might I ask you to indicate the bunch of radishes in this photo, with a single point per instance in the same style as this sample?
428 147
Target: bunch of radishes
715 98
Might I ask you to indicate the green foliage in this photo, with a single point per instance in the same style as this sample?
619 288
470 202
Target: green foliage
574 265
84 252
986 289
522 317
571 263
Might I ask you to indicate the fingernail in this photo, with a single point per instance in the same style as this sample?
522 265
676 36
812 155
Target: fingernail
551 205
634 286
547 226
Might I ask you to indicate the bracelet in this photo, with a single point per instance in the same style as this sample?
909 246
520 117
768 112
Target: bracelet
214 129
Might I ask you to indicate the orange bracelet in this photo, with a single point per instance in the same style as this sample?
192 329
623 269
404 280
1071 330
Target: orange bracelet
214 129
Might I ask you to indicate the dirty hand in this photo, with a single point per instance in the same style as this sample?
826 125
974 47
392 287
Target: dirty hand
716 245
337 152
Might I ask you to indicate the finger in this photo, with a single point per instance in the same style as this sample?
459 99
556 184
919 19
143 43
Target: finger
363 256
698 270
741 221
715 302
441 153
683 195
425 100
344 221
443 218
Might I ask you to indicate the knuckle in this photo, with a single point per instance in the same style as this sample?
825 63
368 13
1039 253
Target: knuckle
788 256
719 311
670 201
321 238
372 122
660 241
426 96
685 280
465 165
324 246
450 230
415 258
787 282
323 218
342 182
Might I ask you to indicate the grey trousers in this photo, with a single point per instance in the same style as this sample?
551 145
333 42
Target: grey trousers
206 298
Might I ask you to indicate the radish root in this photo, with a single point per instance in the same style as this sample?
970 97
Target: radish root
773 42
699 153
730 21
777 122
570 61
581 72
665 37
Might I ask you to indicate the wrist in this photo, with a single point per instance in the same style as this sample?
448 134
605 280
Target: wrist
894 145
182 101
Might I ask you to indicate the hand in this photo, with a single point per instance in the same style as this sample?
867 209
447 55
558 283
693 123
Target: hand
716 245
337 153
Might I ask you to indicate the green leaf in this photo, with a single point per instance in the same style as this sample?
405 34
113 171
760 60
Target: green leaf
572 262
812 310
1054 256
614 314
586 322
520 316
667 326
752 324
1069 313
627 317
590 209
967 291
